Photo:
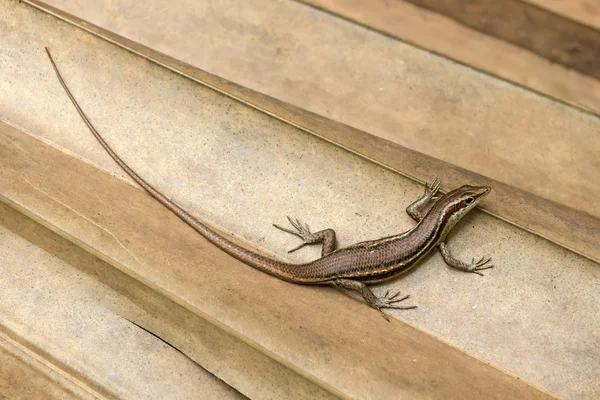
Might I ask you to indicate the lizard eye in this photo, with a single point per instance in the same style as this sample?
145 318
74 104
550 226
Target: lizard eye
469 200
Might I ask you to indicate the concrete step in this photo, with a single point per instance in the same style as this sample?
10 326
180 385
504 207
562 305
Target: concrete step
69 326
240 170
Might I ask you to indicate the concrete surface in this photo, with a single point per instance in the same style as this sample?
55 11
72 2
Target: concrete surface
65 313
568 227
303 328
374 83
21 380
102 290
242 170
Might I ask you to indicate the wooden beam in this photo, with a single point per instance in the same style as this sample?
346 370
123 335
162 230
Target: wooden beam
583 11
549 35
497 56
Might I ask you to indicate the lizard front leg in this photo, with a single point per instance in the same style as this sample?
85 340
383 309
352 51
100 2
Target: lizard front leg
419 208
473 267
370 298
326 236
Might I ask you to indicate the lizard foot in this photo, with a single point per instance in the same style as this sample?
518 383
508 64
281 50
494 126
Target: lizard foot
302 231
388 301
480 265
433 189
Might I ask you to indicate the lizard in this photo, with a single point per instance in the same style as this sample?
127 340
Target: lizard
348 268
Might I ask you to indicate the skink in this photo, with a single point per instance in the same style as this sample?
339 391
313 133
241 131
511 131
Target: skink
349 267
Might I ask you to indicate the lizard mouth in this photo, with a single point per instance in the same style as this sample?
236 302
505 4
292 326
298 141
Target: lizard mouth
483 191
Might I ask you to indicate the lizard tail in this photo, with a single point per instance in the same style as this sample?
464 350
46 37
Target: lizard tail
298 273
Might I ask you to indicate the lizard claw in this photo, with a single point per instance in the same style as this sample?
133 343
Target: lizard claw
480 265
300 230
389 302
432 190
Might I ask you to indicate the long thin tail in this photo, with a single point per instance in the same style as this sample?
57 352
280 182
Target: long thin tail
289 272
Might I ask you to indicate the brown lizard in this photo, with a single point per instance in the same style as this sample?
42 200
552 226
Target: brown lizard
349 267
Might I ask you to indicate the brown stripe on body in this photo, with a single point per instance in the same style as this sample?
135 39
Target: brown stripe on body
403 251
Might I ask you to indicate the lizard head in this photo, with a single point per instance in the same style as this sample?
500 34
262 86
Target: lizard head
457 203
466 197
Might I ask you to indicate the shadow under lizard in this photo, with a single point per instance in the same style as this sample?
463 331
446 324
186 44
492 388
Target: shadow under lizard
351 267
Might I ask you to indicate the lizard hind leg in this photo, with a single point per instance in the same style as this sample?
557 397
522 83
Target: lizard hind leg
326 236
377 303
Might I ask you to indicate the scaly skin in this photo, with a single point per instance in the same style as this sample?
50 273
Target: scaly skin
350 267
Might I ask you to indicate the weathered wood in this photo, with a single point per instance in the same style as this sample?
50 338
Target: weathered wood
497 56
584 11
558 39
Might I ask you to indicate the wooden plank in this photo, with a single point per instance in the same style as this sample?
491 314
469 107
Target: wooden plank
444 36
584 11
561 40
